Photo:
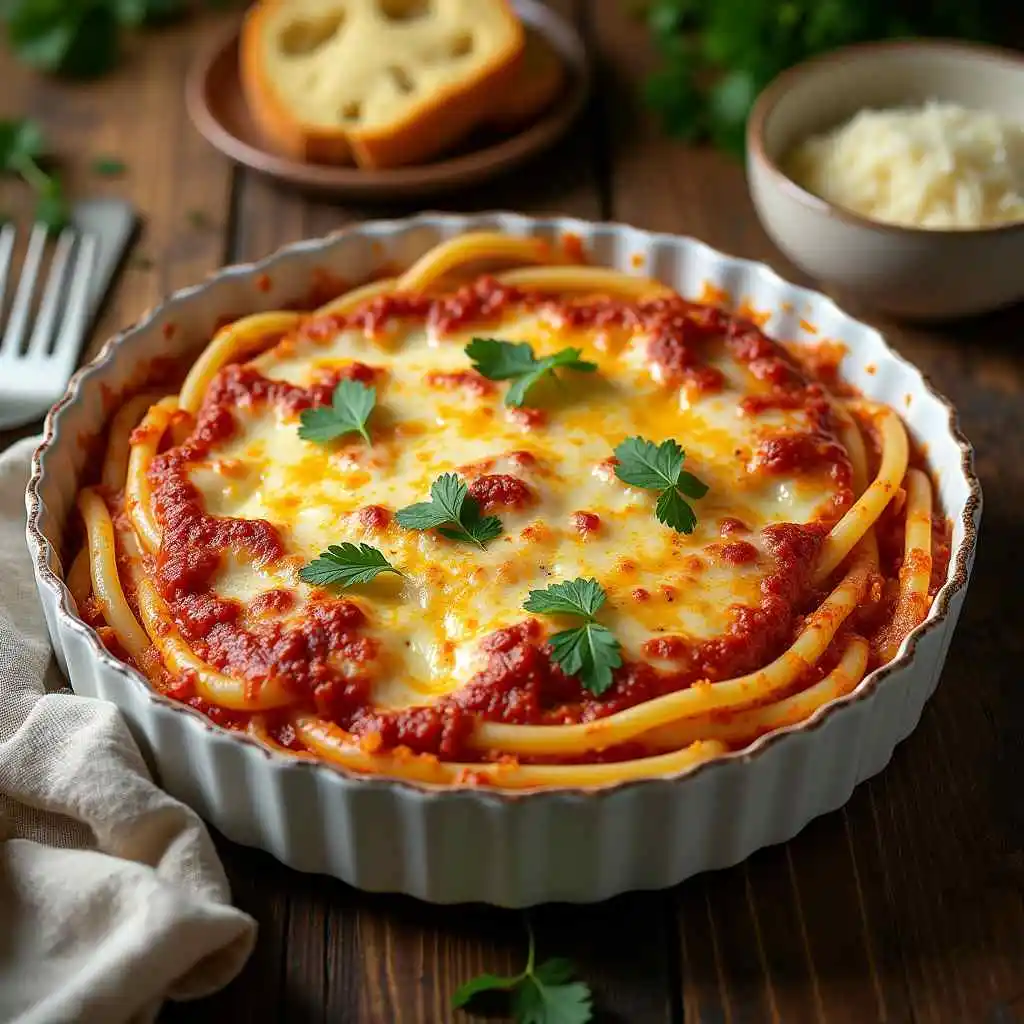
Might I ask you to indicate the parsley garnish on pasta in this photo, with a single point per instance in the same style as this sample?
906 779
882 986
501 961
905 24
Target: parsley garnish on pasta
515 361
452 512
346 565
350 408
659 467
590 650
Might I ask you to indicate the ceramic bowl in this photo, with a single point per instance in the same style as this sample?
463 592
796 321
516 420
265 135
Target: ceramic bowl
913 273
474 844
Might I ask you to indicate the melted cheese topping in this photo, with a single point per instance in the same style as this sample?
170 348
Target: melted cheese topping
658 581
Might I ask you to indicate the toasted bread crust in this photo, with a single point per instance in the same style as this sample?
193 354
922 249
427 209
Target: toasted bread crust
430 127
306 142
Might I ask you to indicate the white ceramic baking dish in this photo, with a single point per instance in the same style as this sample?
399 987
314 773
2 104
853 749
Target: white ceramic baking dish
509 849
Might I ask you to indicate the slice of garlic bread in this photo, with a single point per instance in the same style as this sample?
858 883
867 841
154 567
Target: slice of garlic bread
386 83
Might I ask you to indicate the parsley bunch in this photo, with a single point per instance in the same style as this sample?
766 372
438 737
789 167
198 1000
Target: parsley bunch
79 38
540 994
21 149
717 56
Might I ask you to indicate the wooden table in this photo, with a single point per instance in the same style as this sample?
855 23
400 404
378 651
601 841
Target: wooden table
906 906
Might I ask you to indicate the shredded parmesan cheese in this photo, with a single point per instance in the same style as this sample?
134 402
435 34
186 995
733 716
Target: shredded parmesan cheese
937 166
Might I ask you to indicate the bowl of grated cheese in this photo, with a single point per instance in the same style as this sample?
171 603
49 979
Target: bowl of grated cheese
893 173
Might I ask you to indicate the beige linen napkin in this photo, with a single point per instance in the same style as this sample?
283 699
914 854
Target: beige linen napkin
112 898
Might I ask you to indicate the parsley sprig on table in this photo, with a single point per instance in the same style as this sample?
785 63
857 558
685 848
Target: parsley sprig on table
350 408
515 361
346 565
590 650
716 57
452 512
659 467
21 148
541 994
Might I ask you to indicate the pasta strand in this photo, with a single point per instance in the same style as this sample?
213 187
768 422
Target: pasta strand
242 339
213 686
138 494
459 252
106 582
865 512
333 744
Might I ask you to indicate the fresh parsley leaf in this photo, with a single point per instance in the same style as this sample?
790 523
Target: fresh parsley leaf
659 467
345 565
350 408
501 360
108 167
77 39
447 496
674 511
541 994
452 512
479 529
51 206
571 597
647 465
515 361
19 140
589 651
483 983
536 1003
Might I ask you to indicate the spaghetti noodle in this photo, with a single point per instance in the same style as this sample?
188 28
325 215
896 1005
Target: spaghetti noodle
779 599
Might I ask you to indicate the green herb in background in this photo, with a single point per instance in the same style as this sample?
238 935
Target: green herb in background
717 56
81 38
108 167
21 149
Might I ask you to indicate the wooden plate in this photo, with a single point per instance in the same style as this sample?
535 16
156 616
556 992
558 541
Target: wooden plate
218 110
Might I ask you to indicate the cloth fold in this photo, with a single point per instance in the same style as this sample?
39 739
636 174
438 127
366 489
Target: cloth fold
112 897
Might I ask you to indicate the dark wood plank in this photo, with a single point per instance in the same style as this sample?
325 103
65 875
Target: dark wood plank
907 905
